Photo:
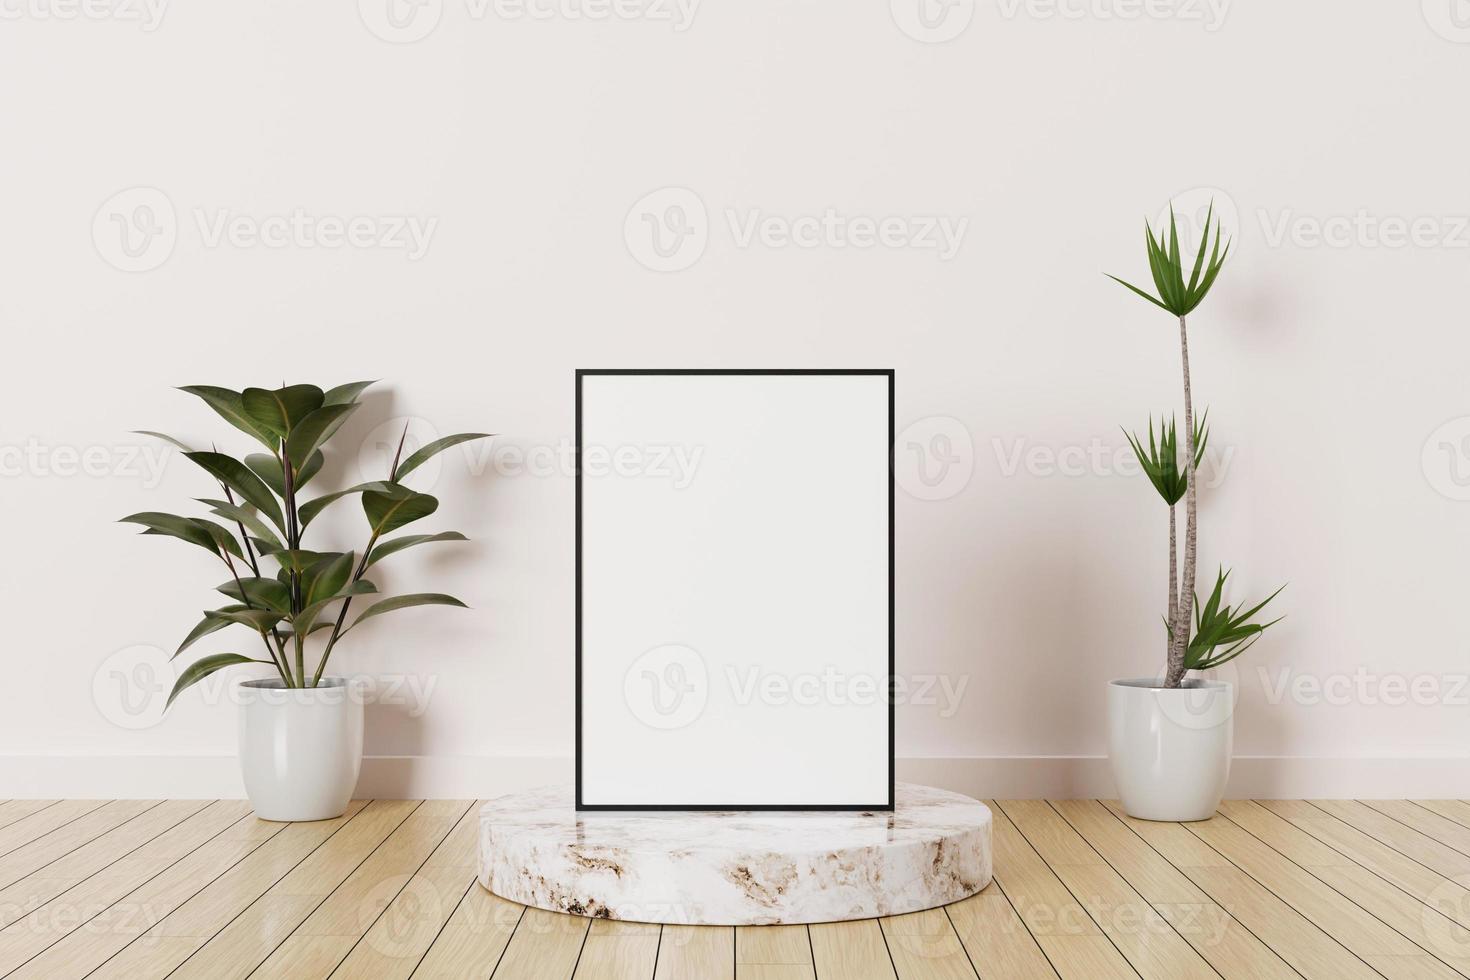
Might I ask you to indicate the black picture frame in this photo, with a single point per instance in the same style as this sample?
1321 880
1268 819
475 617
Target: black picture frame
879 806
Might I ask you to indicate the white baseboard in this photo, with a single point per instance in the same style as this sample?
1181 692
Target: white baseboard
468 777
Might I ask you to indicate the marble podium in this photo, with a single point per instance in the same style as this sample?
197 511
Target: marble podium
735 868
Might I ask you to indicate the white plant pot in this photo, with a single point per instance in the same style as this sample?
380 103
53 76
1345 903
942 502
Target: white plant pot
300 749
1170 749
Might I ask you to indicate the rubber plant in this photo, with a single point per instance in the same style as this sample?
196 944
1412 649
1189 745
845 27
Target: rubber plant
263 516
1216 632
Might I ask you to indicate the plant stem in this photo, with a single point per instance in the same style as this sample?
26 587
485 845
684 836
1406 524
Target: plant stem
1173 577
361 567
255 567
342 613
1185 606
278 664
293 537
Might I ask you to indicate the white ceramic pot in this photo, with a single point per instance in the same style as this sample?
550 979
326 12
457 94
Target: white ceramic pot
300 749
1170 749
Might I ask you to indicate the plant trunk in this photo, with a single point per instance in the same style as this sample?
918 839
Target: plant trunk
1184 607
1173 580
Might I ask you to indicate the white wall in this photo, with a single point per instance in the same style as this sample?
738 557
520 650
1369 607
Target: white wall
1052 131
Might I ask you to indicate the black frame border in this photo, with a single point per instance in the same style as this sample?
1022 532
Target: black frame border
577 471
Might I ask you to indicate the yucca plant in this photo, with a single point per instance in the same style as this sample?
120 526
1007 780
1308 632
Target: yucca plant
266 518
1161 465
1213 624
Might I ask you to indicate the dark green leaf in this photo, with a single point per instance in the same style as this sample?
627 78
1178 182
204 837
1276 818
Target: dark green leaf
325 577
278 411
238 477
164 437
389 510
261 593
174 526
245 515
308 511
404 601
309 433
297 560
230 406
268 468
259 620
437 446
205 666
223 539
207 625
346 394
387 548
305 620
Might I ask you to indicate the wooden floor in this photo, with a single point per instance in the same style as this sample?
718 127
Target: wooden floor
198 888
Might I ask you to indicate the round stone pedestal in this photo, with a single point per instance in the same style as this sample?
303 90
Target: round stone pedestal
737 867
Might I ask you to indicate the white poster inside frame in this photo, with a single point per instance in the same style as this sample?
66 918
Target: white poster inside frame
734 589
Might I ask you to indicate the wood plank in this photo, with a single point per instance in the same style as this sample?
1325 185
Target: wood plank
1425 927
1365 935
1449 897
473 939
619 951
402 935
1405 839
13 810
1049 910
1141 934
240 947
1308 949
924 946
329 933
33 887
545 946
850 950
63 840
43 822
997 941
1427 822
170 942
157 893
1226 944
1456 810
694 953
77 902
